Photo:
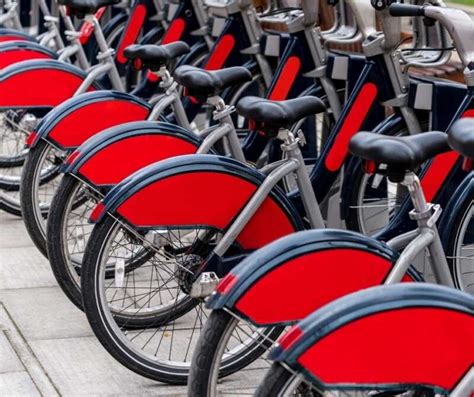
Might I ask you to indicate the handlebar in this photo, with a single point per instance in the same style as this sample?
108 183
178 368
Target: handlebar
457 22
406 10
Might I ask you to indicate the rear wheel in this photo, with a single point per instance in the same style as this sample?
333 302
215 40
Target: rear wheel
39 182
67 234
280 381
460 248
145 317
223 336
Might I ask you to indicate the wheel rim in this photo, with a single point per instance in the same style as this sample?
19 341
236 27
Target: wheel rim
464 252
45 183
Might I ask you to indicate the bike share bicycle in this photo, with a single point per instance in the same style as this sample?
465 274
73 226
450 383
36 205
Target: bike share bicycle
34 75
288 279
298 353
237 29
147 143
233 187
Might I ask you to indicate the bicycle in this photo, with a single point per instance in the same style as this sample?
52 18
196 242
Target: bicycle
372 326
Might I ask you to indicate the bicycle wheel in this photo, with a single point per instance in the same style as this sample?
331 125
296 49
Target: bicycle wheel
67 233
145 318
460 247
280 381
39 181
15 127
223 336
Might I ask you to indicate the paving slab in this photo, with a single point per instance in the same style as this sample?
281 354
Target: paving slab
54 351
17 384
24 268
44 313
9 359
80 366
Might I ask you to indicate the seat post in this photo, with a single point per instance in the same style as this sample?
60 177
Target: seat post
426 215
222 115
106 54
412 182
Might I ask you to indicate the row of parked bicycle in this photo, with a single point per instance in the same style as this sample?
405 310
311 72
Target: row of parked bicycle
204 194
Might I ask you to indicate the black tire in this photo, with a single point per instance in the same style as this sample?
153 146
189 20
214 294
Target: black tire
359 181
276 382
106 325
34 215
10 206
462 229
209 350
59 257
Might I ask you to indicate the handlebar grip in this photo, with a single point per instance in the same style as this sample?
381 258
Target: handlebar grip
406 10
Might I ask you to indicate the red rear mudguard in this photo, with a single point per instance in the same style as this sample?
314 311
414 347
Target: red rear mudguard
14 35
39 84
290 278
205 190
387 338
109 157
12 52
70 124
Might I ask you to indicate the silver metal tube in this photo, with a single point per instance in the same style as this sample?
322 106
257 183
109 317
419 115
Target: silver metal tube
179 112
104 49
254 204
161 105
439 263
214 136
401 241
305 187
423 240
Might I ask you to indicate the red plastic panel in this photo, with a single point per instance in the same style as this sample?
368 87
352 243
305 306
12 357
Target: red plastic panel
430 346
220 52
286 79
10 37
120 159
87 28
440 168
132 31
206 198
351 125
174 32
92 118
10 57
300 286
38 87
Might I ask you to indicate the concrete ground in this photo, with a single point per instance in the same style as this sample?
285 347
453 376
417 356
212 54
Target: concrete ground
46 345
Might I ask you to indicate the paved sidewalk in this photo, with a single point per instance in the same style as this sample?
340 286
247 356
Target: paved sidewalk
46 345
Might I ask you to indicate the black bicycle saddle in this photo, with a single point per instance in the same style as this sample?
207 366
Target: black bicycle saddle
400 154
80 8
461 137
202 84
155 56
270 116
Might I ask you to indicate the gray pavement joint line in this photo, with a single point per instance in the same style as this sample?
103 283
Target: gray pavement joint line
38 375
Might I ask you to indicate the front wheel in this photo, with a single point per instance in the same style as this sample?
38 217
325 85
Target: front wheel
227 345
39 181
460 246
279 381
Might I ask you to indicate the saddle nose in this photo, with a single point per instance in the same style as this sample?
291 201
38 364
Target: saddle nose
400 154
461 137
